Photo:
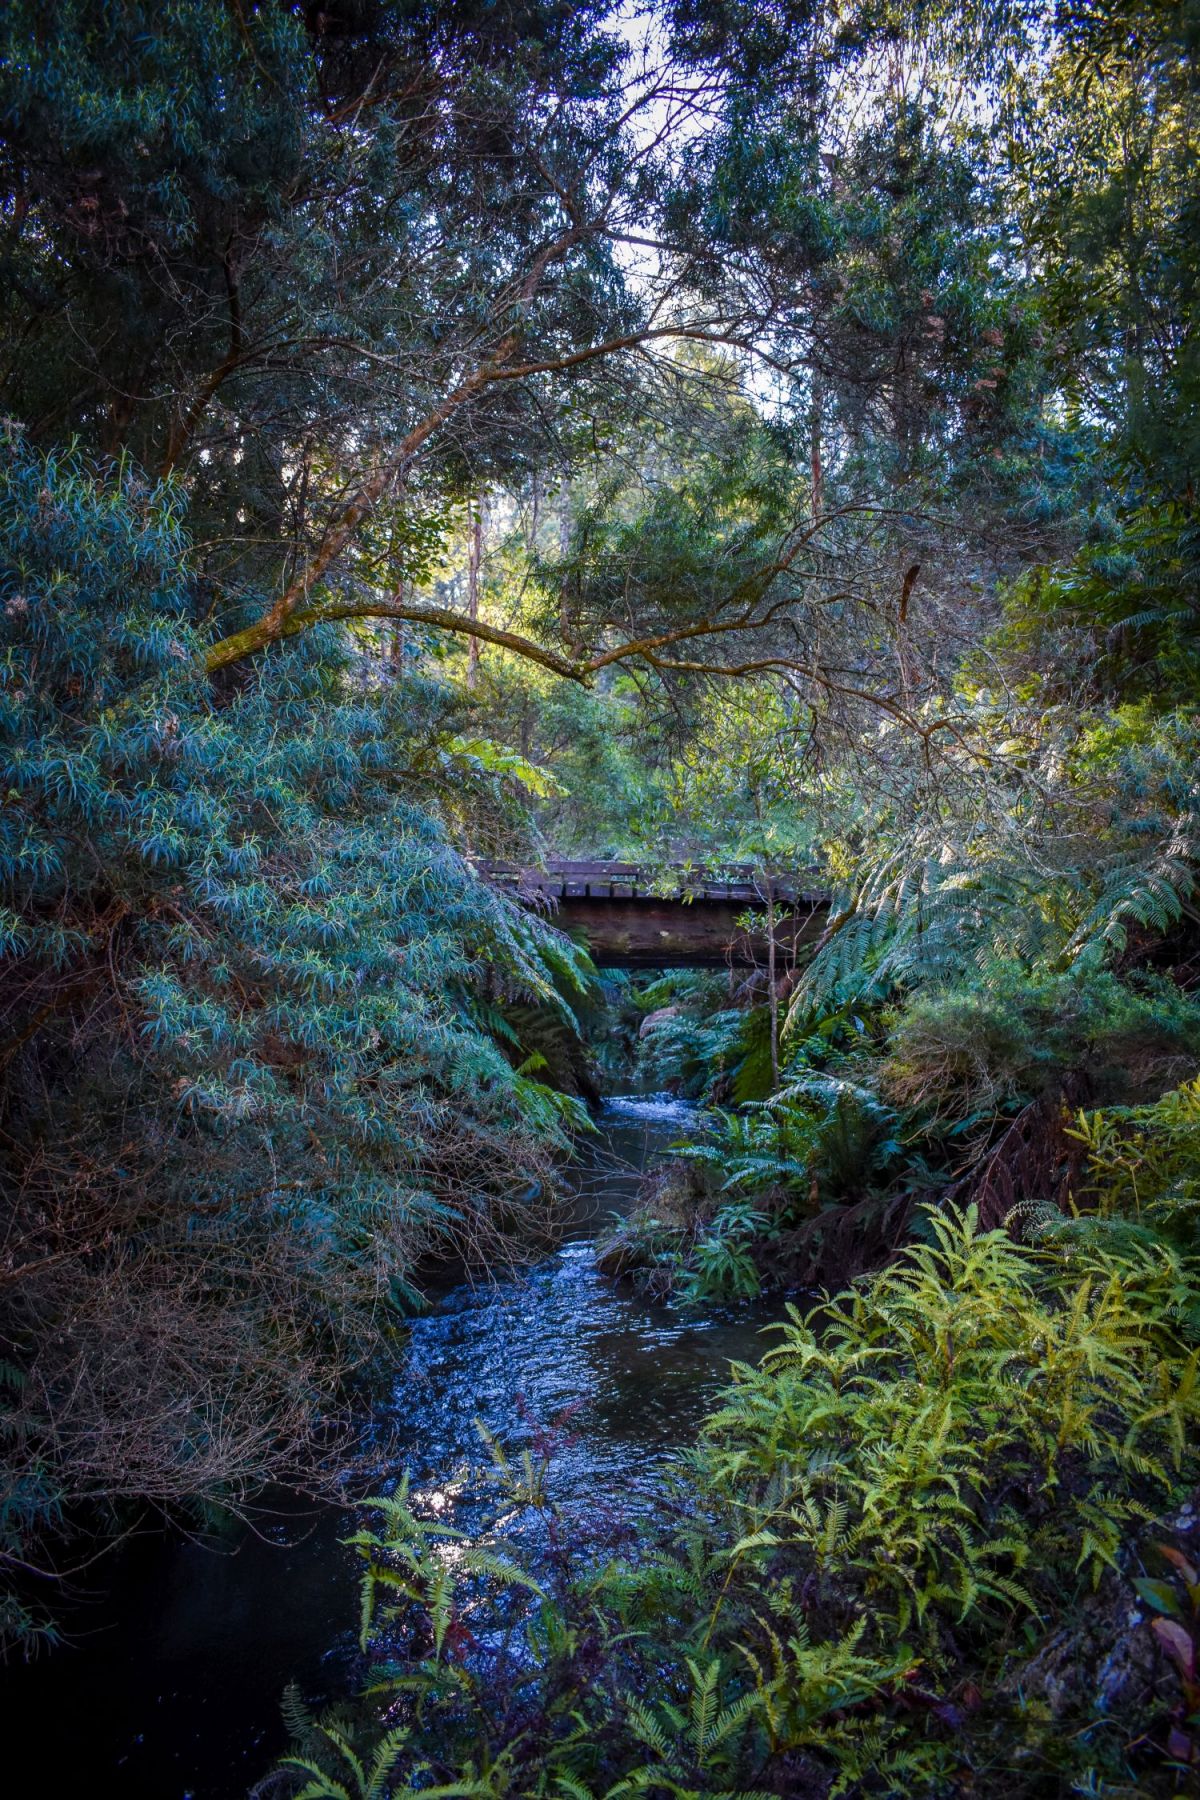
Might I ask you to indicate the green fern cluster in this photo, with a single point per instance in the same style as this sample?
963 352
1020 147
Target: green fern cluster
579 1691
1137 1201
1143 1162
690 1040
822 1130
883 1443
754 1182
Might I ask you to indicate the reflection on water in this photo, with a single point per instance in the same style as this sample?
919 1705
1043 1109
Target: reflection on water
177 1694
635 1376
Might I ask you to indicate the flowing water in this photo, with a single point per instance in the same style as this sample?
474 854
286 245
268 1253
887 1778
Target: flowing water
170 1684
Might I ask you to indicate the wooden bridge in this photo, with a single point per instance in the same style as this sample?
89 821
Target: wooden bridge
632 916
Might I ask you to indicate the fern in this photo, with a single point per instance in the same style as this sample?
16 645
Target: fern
871 1448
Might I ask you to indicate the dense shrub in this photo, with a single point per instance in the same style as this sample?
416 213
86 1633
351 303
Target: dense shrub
968 1049
246 989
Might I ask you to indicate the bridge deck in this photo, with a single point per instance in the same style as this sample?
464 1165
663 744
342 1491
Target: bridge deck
739 884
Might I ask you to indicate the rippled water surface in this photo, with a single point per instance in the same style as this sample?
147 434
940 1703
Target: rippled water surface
173 1683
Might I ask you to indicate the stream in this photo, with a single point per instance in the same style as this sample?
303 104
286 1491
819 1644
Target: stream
169 1681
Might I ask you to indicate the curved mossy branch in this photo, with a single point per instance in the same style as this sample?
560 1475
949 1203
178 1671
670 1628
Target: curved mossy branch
749 597
242 644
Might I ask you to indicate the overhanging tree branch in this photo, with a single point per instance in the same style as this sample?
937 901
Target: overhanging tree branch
749 594
441 618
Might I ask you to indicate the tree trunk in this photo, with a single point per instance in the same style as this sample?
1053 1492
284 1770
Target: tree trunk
565 617
772 983
816 465
474 558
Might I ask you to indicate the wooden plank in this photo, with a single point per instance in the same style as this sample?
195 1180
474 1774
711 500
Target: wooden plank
733 884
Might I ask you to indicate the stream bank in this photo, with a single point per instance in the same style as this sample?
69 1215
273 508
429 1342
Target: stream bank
171 1678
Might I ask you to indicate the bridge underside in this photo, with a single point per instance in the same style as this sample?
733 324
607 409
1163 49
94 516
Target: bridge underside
648 933
630 918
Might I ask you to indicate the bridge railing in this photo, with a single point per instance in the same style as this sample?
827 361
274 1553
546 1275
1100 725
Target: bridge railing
736 884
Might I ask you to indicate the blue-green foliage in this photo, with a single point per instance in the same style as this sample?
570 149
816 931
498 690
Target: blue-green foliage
306 941
690 1039
246 979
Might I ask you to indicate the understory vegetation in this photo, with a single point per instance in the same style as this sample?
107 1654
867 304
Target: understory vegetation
908 1552
755 441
